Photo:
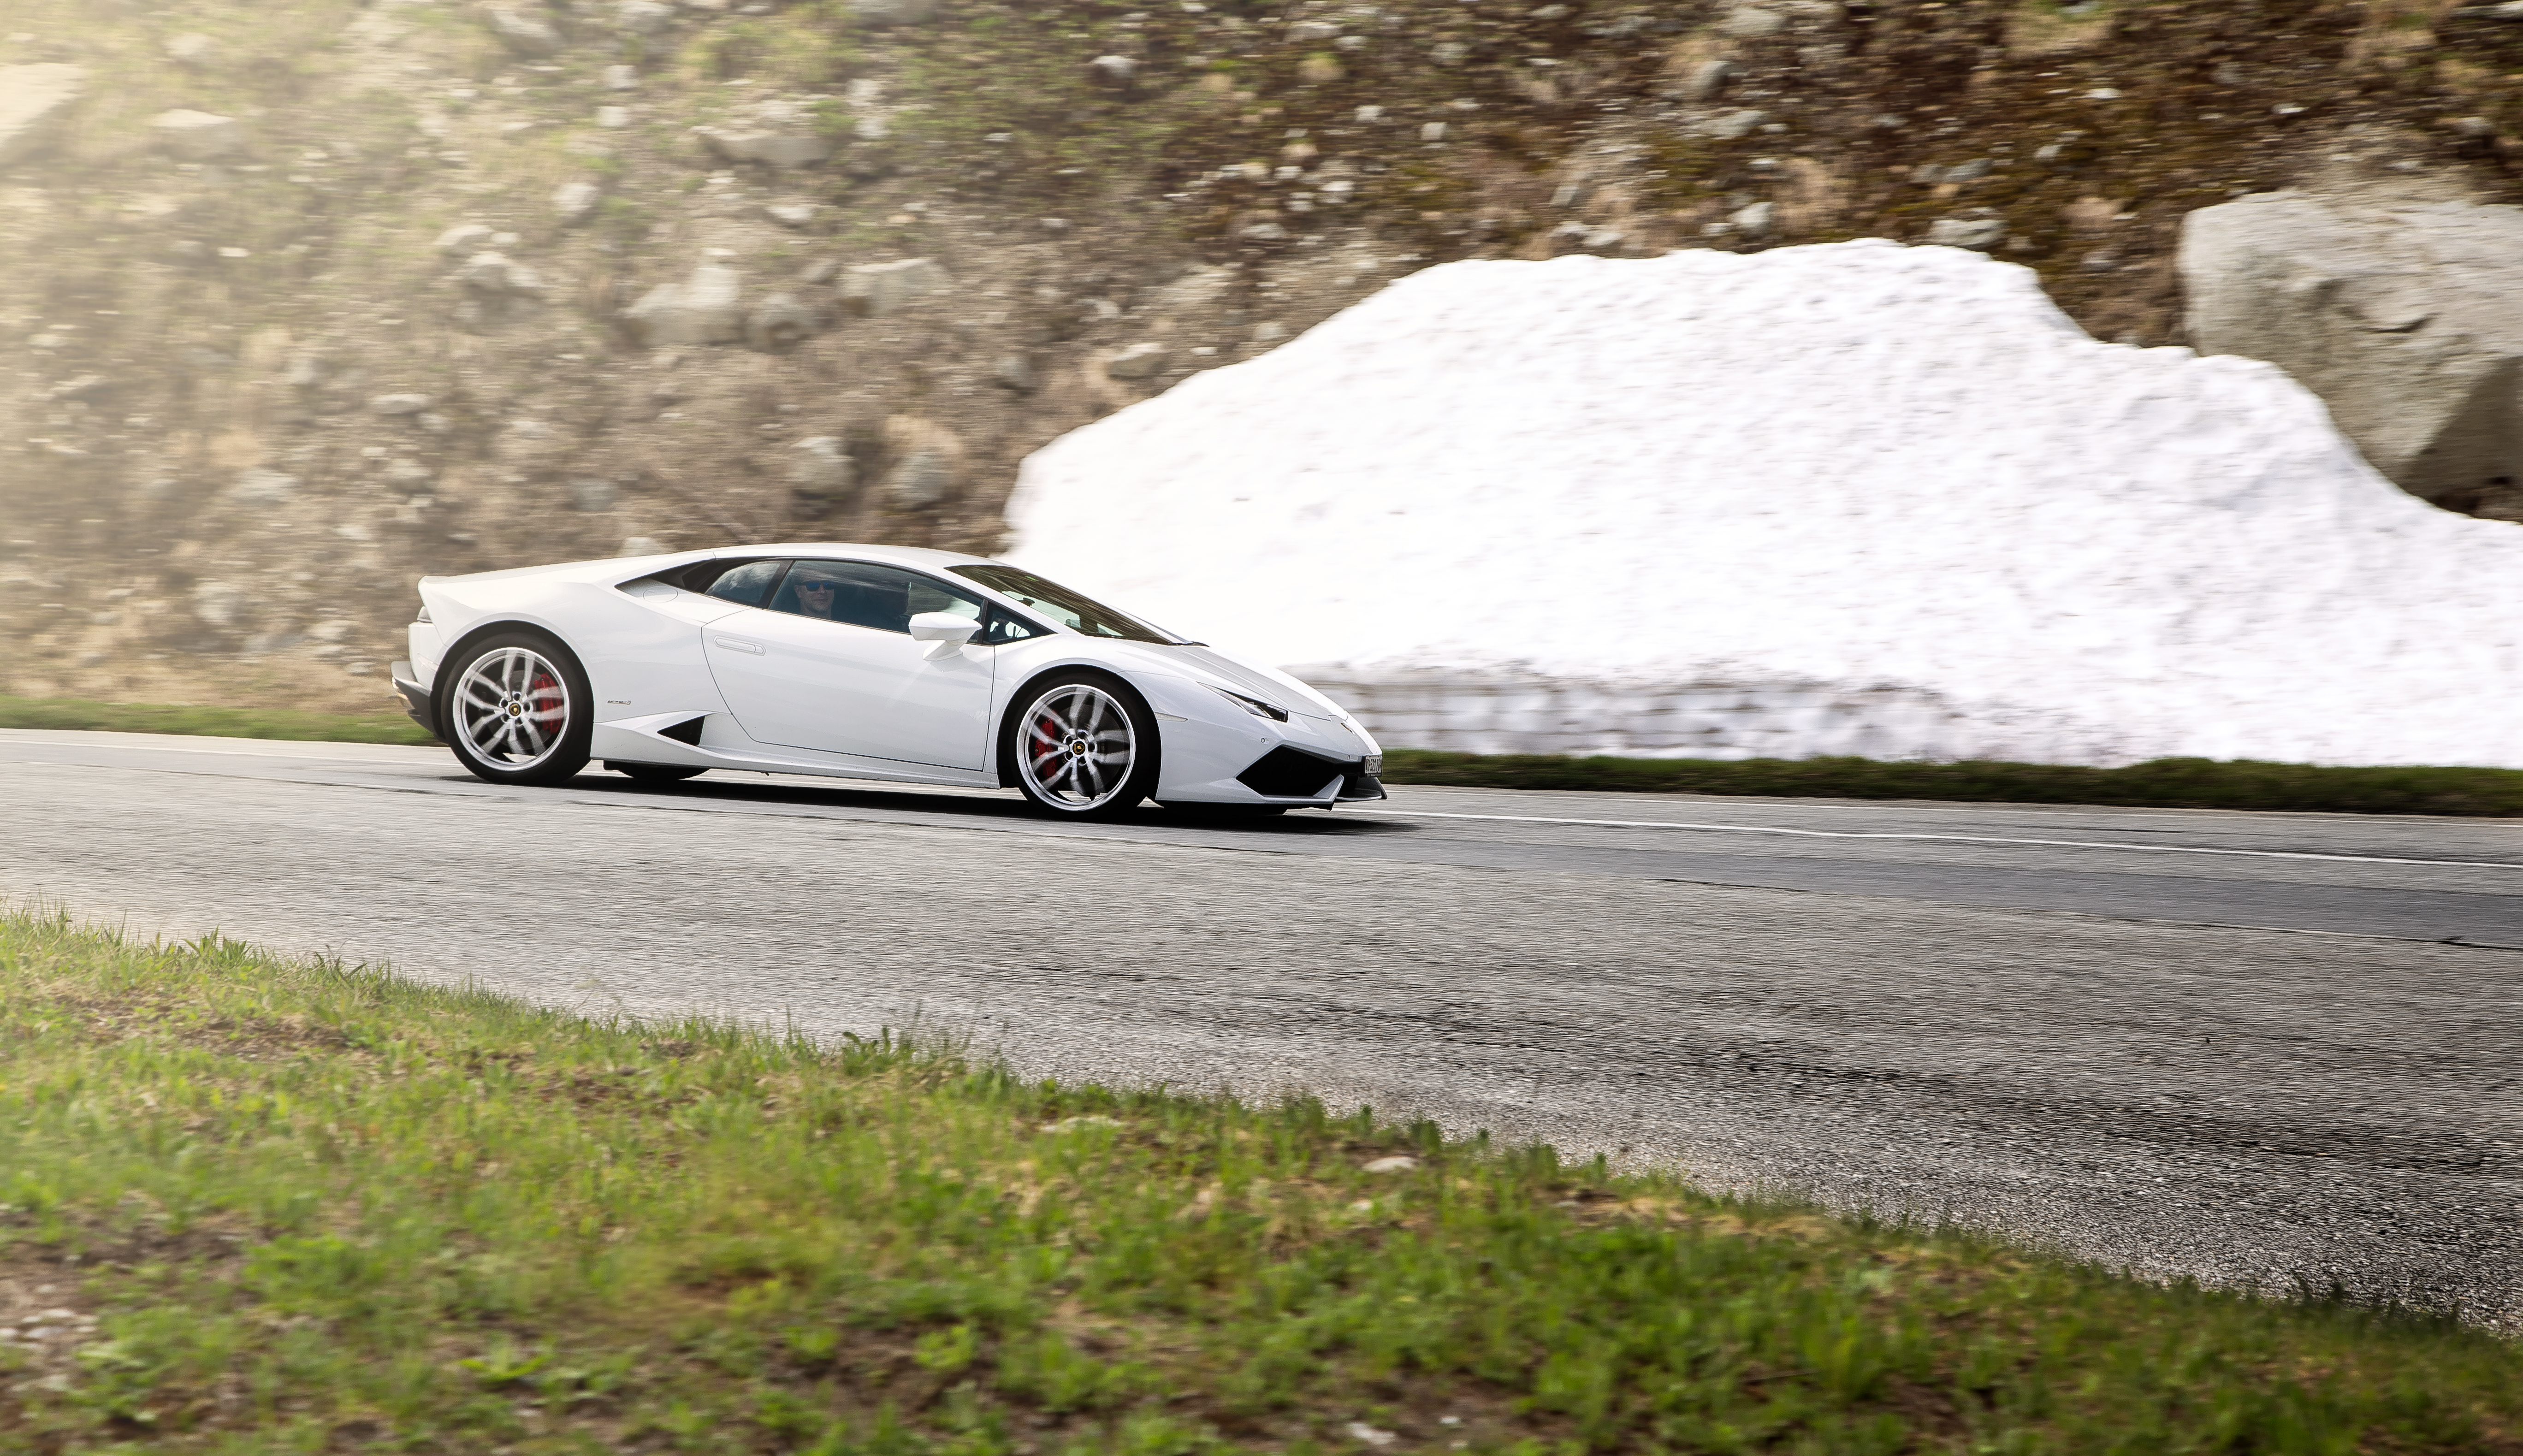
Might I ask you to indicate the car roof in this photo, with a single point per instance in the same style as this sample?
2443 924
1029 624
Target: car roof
855 550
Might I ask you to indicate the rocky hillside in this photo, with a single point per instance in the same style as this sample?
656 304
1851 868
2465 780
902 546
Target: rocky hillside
305 298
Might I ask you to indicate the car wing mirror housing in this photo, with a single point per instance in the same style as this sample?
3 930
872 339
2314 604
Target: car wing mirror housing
943 631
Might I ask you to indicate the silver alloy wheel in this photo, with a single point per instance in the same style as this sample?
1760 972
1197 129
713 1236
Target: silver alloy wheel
1079 748
512 708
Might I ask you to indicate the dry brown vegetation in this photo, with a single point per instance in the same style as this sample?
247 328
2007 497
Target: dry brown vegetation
199 501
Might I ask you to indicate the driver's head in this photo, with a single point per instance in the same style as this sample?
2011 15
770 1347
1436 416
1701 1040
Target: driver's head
815 596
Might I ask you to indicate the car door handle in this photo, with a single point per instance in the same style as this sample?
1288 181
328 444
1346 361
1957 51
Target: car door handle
739 645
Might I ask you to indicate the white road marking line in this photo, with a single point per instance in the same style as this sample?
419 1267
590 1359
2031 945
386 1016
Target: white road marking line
305 749
1517 819
2145 849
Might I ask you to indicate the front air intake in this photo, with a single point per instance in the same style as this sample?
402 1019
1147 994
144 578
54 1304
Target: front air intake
1286 773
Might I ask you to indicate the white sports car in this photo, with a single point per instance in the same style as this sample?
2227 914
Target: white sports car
861 662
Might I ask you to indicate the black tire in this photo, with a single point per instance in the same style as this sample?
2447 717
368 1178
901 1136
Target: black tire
526 719
1105 759
654 773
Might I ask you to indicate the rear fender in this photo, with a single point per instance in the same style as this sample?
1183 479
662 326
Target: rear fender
639 658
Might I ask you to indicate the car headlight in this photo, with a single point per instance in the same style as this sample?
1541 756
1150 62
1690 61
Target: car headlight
1253 706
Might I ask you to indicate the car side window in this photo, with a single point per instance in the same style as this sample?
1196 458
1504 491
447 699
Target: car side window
864 595
746 583
1004 626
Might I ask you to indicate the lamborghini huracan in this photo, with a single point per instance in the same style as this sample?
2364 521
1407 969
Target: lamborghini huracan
862 662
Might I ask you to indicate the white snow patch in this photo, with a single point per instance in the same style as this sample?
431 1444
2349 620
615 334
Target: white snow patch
1845 498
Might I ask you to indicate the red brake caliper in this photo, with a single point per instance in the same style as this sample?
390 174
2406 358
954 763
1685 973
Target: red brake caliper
1043 735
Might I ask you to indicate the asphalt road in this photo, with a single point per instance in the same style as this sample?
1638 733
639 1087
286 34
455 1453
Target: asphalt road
2268 1049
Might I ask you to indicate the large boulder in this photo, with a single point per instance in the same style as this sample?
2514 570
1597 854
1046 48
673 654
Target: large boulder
644 17
822 467
197 136
2405 315
220 603
575 201
262 488
780 323
772 147
193 50
497 275
465 239
893 12
704 309
878 289
32 101
775 133
524 34
822 476
927 462
1138 361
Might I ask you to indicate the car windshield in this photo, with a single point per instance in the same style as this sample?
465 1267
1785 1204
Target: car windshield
1061 604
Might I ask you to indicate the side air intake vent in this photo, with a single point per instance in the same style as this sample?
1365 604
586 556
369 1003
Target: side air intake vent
1286 773
687 731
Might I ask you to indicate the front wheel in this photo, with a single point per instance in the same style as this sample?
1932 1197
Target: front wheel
1083 745
518 709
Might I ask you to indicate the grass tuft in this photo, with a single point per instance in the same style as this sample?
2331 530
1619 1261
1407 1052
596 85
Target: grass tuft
216 722
257 1204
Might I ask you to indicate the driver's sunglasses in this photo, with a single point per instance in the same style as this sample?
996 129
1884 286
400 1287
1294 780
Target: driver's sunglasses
816 585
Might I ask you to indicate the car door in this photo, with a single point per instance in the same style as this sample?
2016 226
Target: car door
830 665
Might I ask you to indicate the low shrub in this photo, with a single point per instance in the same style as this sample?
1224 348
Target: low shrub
2160 783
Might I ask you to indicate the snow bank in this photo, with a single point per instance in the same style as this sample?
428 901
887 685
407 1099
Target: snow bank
1848 498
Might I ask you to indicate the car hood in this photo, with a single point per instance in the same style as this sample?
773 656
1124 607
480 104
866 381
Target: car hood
1266 683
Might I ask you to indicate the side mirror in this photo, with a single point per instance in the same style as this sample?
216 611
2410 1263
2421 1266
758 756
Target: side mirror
942 630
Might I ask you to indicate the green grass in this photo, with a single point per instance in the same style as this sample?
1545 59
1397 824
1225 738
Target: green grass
216 722
2163 783
310 1207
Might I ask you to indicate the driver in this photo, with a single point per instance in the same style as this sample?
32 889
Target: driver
816 596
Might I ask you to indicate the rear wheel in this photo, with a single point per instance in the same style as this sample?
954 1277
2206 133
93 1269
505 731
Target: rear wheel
654 773
1083 745
518 709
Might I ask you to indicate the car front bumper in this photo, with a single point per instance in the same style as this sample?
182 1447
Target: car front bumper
1220 756
416 698
1288 771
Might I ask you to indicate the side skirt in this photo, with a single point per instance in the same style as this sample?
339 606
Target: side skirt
643 740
